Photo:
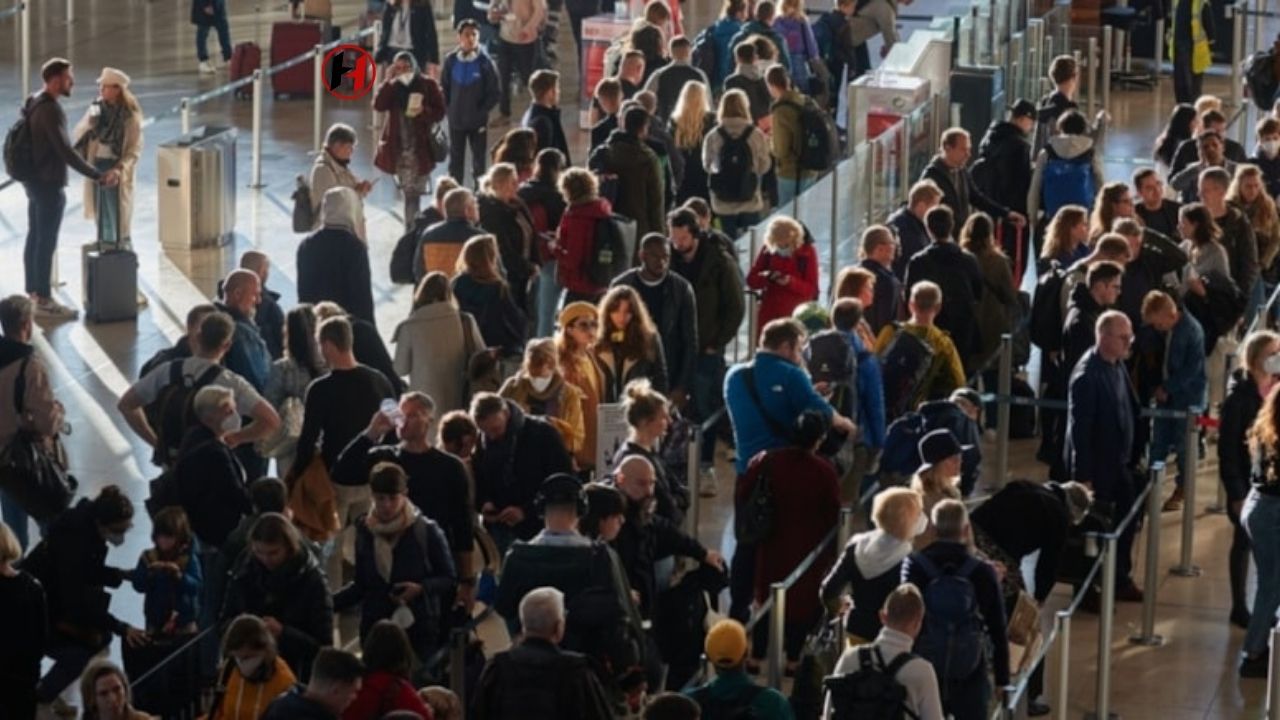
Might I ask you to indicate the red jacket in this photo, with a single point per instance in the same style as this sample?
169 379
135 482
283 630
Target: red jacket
393 100
576 237
381 693
777 301
806 497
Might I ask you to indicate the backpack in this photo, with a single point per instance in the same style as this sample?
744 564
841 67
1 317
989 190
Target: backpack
872 692
830 358
905 366
304 213
1259 78
819 139
901 453
173 406
736 180
952 636
1046 309
739 708
401 267
704 53
609 257
1067 182
19 160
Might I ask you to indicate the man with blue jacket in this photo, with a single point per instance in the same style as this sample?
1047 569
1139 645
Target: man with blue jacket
469 81
1185 381
764 397
722 34
845 315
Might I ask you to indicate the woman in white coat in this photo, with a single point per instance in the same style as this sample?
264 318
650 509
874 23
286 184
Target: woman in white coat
435 343
109 137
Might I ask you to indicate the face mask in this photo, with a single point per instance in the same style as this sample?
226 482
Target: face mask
248 666
403 617
405 79
115 538
1270 147
783 252
540 384
232 423
1272 365
922 524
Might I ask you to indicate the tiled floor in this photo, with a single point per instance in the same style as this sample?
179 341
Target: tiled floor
1191 676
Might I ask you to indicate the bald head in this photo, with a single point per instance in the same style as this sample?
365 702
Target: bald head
258 263
635 477
241 290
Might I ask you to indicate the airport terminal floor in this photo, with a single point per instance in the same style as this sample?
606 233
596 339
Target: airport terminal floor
1193 675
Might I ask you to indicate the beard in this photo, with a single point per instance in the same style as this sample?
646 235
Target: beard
640 512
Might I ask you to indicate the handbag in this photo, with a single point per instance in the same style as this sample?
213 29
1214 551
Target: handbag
32 472
439 143
284 441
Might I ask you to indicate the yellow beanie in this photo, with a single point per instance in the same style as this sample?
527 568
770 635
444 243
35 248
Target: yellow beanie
726 644
575 311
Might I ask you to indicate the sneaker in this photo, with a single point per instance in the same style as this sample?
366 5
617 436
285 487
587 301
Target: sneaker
1254 667
1038 708
1174 503
206 68
707 483
51 309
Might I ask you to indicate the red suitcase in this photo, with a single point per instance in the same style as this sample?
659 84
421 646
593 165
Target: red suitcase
289 40
245 58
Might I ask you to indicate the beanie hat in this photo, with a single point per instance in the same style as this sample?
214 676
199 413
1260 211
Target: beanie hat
604 501
726 644
112 76
575 311
388 478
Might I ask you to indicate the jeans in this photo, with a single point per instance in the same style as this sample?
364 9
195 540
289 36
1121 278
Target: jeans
1167 436
45 204
515 60
707 397
69 660
787 190
108 207
1254 301
735 225
16 518
1238 558
219 23
967 698
459 141
548 298
1261 517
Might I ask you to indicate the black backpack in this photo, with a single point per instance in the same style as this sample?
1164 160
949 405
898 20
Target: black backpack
608 258
755 522
402 258
736 181
304 213
952 636
905 367
1260 78
739 708
173 406
872 692
1046 309
19 160
819 139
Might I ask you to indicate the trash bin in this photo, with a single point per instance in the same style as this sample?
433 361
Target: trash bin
196 178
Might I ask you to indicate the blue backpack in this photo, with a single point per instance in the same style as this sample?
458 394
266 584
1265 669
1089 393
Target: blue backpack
1067 182
952 635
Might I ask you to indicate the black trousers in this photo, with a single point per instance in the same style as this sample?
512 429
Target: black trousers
459 141
1186 84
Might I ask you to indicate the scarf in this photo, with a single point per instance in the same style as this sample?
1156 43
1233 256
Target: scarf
108 128
386 534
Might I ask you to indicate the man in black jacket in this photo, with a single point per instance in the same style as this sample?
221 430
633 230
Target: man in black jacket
1238 238
949 169
626 156
670 301
907 222
1005 155
647 538
335 682
964 696
210 480
516 453
956 271
440 244
51 153
1156 211
543 114
1099 292
877 252
535 678
1188 153
267 316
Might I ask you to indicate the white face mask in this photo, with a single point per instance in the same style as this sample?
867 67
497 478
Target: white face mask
922 524
248 666
1272 365
1270 147
783 251
232 423
405 79
540 384
403 617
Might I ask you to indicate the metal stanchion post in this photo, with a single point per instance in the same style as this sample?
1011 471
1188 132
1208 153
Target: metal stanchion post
1092 76
1004 387
318 97
832 261
458 665
777 626
258 89
1148 635
872 147
24 22
71 11
1104 72
1102 703
1191 456
753 308
1261 8
974 57
846 528
1237 78
1219 505
693 459
1273 678
185 105
1060 700
1157 60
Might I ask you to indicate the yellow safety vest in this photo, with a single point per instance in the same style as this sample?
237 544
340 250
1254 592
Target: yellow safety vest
1201 56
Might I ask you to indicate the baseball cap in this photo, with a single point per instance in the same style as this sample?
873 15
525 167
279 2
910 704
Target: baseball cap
1023 108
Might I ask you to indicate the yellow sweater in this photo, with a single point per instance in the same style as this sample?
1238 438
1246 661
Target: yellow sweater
947 370
248 700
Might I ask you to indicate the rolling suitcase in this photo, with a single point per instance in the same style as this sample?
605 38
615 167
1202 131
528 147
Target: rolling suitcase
288 40
245 58
110 284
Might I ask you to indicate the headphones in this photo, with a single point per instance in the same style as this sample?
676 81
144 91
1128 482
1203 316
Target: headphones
560 489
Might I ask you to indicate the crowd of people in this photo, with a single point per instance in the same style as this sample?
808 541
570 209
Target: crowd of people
306 472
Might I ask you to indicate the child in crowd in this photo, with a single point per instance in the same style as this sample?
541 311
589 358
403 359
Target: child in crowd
168 576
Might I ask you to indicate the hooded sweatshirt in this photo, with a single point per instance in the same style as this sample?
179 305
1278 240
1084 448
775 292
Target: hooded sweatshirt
1066 147
1006 149
333 263
871 563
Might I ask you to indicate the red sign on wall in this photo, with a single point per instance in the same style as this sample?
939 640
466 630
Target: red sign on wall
349 72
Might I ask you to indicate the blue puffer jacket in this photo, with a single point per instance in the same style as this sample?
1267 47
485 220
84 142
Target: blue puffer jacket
165 594
870 394
723 32
785 391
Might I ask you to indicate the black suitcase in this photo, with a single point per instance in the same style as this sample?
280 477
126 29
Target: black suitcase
110 285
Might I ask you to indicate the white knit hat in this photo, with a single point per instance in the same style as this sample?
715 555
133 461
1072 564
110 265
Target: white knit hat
112 76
